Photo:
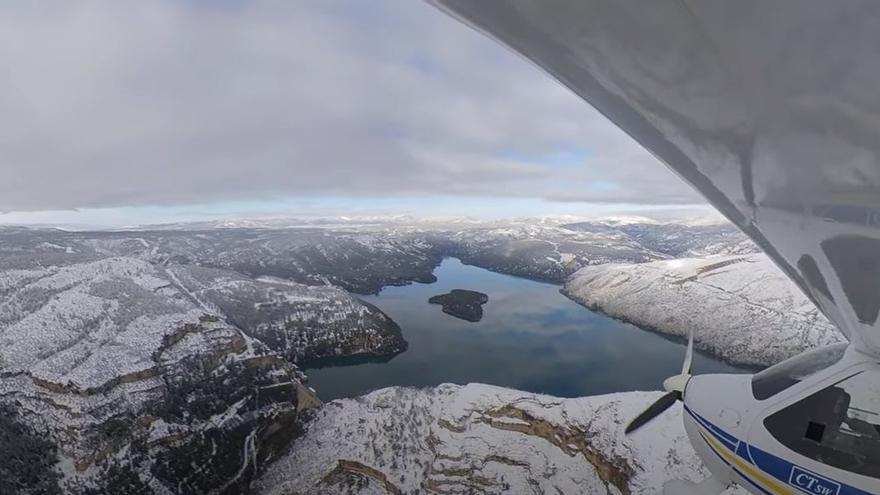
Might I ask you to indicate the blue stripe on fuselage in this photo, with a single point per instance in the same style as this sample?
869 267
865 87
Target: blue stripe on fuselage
737 471
776 467
729 441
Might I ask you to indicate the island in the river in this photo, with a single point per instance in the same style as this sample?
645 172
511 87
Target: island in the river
461 303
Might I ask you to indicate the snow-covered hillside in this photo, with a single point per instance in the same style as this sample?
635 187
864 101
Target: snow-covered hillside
304 323
674 239
543 252
741 308
484 439
363 258
138 377
359 261
132 383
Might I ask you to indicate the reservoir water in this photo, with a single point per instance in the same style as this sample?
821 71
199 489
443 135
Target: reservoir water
531 338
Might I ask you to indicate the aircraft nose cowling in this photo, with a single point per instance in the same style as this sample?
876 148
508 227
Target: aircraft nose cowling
715 407
720 400
677 383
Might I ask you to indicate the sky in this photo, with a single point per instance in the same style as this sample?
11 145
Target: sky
121 113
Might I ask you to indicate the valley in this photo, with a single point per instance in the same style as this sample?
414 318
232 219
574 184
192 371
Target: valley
531 338
136 353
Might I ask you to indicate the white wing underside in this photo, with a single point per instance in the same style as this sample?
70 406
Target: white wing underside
770 109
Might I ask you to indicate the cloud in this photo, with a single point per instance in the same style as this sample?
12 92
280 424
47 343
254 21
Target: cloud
109 104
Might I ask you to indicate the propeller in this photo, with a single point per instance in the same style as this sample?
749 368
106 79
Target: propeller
674 386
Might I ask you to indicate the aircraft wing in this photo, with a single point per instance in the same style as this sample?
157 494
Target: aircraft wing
770 109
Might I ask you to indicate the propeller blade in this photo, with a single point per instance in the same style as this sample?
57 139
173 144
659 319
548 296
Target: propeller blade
689 354
654 410
674 387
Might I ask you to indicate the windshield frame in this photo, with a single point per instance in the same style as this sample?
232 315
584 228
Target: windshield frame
770 382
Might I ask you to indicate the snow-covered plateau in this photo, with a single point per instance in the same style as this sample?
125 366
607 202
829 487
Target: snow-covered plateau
741 308
484 439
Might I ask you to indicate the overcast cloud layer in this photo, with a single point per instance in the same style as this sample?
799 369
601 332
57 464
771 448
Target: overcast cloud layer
106 104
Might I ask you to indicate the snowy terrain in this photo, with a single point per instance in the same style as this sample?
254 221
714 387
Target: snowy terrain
304 323
133 380
484 439
167 361
136 376
689 239
123 373
547 253
741 308
363 258
356 260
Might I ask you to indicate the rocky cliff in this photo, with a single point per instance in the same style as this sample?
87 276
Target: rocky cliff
137 377
483 439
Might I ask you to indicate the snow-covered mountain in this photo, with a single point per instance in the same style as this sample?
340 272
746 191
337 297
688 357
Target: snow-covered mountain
131 381
137 377
741 308
484 439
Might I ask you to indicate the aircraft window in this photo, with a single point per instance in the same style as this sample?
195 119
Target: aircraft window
813 275
777 378
838 426
856 260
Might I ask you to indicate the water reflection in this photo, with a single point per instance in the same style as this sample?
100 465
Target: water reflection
531 338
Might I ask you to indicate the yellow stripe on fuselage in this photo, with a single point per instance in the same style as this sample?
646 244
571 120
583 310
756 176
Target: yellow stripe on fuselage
767 483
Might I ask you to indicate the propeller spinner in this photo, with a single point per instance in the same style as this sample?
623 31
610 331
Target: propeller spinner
674 386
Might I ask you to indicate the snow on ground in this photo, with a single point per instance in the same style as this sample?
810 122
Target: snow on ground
85 324
742 308
484 439
92 353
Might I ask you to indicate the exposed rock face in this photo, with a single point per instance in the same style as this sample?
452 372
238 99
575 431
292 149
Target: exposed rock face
135 384
483 439
150 378
464 304
742 308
